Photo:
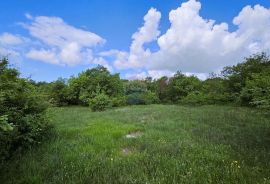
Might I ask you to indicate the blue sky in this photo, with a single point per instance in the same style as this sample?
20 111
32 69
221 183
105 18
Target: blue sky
115 21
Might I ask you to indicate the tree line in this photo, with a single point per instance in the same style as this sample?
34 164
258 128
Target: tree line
246 84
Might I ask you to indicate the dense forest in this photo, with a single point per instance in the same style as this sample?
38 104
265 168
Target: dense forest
23 102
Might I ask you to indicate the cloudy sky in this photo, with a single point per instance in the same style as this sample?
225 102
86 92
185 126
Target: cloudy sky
47 39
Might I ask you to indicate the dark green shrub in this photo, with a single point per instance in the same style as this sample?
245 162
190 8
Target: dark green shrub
135 98
194 98
137 93
100 102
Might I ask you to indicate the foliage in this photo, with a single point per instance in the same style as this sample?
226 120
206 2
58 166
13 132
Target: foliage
135 86
100 102
237 76
257 91
59 92
162 89
119 101
195 98
135 98
88 82
135 91
150 98
180 86
235 85
22 119
4 125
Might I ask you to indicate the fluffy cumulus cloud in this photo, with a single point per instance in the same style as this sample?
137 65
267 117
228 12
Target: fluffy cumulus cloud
146 34
61 43
196 45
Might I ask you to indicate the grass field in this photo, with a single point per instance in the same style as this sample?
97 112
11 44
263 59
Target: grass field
175 144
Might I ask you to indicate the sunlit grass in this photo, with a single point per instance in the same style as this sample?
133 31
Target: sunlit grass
208 144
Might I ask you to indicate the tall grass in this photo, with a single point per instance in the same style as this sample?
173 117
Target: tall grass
207 144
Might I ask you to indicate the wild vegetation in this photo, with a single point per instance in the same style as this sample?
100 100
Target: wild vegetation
22 113
244 84
222 136
177 144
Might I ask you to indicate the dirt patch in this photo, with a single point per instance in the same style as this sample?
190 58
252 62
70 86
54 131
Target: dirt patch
126 151
134 135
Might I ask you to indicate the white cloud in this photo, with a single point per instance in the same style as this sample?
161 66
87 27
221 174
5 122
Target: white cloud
55 32
47 56
146 34
10 39
156 74
136 76
10 46
29 16
71 53
64 44
109 53
197 45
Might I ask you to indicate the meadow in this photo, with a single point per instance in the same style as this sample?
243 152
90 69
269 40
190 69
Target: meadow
165 144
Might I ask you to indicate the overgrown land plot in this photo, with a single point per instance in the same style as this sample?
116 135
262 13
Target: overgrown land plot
149 144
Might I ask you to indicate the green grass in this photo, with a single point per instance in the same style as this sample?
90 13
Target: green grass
208 144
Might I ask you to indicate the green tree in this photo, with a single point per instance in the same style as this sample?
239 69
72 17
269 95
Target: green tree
84 87
257 91
59 92
237 76
180 86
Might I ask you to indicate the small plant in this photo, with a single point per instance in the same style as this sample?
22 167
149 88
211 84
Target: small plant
100 102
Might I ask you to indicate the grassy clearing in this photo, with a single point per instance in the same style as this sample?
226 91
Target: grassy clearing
208 144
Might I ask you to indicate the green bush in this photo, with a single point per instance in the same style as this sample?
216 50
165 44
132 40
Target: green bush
84 98
100 102
135 98
150 98
137 93
22 113
119 101
194 98
256 93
